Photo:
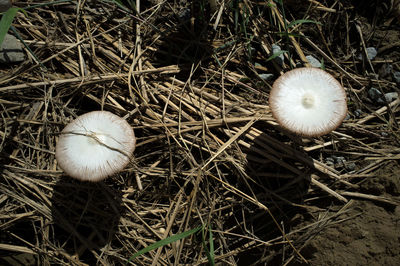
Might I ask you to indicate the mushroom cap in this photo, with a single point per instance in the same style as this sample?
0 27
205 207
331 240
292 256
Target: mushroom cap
308 101
95 145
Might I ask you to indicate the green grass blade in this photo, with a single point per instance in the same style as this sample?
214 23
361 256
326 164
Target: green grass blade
322 64
302 21
6 21
287 34
210 252
120 5
47 4
276 55
211 243
27 47
164 242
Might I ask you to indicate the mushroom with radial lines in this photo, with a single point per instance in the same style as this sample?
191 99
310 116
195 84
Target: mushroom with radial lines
95 145
308 101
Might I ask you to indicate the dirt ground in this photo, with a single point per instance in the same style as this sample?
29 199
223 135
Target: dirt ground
367 233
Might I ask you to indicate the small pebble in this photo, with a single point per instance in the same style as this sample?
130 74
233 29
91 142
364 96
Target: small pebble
4 5
275 50
374 94
313 61
385 70
339 159
372 75
330 159
184 14
371 53
396 76
389 97
299 64
11 50
266 76
252 51
330 163
351 166
335 161
358 113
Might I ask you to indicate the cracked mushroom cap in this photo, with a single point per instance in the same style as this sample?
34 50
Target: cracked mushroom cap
308 101
95 145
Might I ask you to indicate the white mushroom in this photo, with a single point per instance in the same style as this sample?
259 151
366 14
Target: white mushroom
308 101
95 145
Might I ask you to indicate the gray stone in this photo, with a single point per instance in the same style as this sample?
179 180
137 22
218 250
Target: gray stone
4 5
266 76
358 113
371 53
339 159
330 163
374 94
313 61
184 14
396 76
351 166
385 70
275 50
11 50
252 51
330 159
336 161
389 97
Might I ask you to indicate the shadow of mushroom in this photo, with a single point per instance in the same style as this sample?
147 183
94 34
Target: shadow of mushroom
280 183
183 37
85 217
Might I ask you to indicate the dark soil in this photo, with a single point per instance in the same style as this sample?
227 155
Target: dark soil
368 234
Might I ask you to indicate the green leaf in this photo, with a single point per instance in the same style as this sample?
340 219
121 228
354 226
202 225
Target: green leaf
209 252
164 242
6 21
322 64
302 21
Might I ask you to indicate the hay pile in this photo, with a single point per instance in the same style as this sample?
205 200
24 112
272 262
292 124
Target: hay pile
187 77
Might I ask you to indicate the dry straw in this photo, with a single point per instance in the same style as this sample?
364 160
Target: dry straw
208 150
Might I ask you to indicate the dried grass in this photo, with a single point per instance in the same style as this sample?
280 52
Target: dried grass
208 150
